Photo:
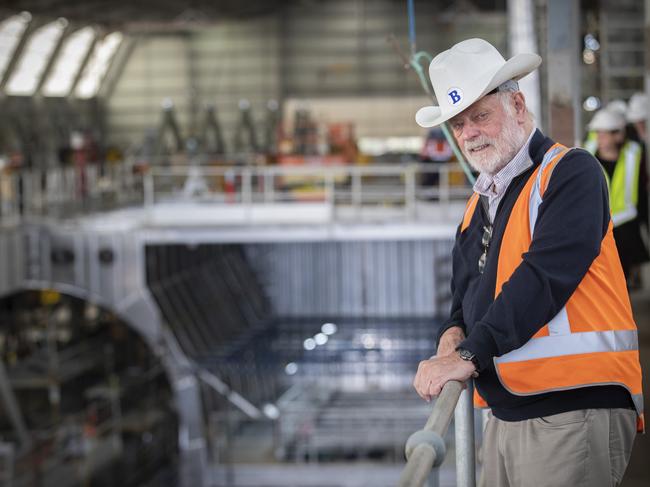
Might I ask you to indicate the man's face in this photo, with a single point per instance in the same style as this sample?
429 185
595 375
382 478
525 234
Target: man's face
490 134
609 140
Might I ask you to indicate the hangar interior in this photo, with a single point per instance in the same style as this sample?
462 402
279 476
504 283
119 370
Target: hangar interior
226 244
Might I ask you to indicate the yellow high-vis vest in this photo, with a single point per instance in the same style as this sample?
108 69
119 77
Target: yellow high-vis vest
591 142
624 185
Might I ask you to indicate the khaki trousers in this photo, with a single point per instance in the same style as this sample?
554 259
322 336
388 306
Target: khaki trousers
589 447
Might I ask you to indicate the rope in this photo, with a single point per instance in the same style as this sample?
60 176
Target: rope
415 62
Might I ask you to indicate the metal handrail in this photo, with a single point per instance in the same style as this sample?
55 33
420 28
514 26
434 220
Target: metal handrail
425 449
333 185
59 192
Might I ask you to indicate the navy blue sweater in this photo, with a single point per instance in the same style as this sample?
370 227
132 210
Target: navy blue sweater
571 223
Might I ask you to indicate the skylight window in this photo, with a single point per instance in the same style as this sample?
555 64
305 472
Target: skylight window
11 30
24 80
98 65
68 63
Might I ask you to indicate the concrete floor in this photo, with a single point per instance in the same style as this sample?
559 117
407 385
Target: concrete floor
638 471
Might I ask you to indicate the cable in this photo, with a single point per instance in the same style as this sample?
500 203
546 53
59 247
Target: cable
414 61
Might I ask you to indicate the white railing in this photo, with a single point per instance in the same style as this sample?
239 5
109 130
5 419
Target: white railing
69 191
337 184
64 192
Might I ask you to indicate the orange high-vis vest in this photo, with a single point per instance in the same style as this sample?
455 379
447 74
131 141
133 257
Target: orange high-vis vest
592 340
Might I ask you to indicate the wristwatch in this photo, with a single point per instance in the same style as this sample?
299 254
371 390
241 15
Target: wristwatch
467 355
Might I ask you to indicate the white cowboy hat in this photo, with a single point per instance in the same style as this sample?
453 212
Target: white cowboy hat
466 72
607 120
637 108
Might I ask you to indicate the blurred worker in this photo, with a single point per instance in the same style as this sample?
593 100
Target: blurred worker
435 150
637 114
540 312
618 106
624 163
591 142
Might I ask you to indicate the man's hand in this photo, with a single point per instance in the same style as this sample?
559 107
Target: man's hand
434 373
449 340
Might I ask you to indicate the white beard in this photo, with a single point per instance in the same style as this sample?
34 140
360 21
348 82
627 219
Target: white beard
499 151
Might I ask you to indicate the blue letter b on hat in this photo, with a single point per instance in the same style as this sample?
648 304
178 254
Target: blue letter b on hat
455 95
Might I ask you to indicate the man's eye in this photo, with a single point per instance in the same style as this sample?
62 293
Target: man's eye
482 116
456 126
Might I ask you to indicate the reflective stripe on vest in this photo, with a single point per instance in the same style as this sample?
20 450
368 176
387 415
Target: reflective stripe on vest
573 343
624 186
593 339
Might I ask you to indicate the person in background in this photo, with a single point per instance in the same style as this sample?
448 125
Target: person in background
435 150
637 114
623 161
540 313
618 106
591 143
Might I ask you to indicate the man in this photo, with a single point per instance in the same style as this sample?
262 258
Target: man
540 313
623 161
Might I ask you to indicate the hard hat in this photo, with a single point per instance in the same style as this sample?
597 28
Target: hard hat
607 120
617 106
458 81
638 108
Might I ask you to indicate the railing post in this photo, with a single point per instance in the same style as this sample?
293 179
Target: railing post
410 192
330 197
247 193
26 196
443 181
148 189
356 191
269 182
246 187
15 182
464 429
37 185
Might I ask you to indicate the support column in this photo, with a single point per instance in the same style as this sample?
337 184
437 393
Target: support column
563 72
523 38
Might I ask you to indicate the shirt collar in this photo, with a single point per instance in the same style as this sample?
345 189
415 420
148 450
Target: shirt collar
496 185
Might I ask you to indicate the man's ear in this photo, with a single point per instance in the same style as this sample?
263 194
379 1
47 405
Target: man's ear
520 103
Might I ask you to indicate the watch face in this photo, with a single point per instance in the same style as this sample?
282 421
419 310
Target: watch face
465 354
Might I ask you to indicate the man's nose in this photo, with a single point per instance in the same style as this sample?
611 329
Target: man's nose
470 131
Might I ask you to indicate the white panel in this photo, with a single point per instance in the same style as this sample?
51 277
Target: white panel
353 279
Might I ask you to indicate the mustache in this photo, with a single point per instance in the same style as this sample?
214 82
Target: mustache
478 142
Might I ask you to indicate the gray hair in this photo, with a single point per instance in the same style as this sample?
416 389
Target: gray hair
510 86
503 92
